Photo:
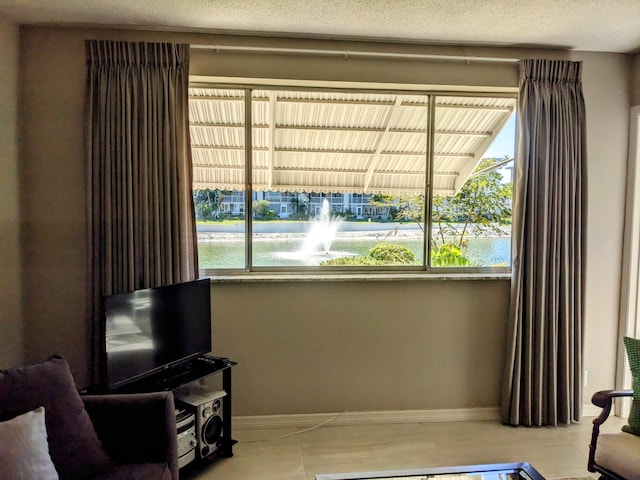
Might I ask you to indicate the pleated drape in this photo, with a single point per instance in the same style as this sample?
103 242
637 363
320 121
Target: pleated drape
543 370
141 221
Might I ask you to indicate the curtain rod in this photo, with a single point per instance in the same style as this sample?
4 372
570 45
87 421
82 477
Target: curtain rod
346 54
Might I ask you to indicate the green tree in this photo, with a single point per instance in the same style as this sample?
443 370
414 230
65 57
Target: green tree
261 209
207 202
408 208
300 207
482 205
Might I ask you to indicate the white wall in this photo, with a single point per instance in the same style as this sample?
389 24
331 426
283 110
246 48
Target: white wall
11 348
635 81
607 99
316 346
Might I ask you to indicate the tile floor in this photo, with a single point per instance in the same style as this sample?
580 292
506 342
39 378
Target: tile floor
559 452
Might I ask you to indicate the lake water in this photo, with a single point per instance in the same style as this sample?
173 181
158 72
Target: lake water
271 251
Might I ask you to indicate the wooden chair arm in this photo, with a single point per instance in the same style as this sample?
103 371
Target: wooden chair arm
604 400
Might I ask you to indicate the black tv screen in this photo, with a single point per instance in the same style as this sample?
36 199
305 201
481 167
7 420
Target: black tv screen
153 329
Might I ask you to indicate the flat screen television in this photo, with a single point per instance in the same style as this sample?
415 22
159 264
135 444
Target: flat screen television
150 330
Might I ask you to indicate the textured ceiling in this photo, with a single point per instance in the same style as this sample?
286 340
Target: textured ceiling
592 25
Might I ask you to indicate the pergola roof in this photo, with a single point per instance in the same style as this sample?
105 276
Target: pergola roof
340 142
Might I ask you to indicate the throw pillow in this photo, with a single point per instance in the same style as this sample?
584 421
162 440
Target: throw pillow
632 346
74 446
24 450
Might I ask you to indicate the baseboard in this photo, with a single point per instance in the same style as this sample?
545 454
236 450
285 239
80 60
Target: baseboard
384 417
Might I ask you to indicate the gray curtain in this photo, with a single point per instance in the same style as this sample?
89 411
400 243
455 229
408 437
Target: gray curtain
543 370
141 222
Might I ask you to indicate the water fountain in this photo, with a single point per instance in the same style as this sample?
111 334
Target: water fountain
322 232
318 239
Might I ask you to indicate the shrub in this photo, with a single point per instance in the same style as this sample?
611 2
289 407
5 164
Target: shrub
448 255
352 261
381 254
390 253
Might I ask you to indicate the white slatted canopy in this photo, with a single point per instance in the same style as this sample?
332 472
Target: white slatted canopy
340 142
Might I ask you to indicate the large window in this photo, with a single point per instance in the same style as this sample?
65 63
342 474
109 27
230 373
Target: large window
343 180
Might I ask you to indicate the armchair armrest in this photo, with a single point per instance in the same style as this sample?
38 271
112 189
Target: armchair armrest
603 399
136 428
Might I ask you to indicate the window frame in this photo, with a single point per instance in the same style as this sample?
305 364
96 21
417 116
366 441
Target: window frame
348 271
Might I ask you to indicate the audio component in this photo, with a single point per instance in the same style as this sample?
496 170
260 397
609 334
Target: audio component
187 438
208 416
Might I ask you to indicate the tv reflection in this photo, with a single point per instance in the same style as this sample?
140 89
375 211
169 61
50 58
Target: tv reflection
129 328
131 342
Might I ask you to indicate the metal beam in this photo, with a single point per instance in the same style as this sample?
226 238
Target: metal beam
323 170
334 152
272 136
474 107
343 129
376 155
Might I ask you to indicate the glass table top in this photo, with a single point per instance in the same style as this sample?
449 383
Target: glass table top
505 471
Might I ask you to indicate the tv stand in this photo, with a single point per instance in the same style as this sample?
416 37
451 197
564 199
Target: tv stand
181 375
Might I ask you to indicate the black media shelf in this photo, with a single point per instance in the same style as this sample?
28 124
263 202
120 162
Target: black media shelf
180 375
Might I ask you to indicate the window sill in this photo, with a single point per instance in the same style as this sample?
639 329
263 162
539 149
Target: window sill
355 277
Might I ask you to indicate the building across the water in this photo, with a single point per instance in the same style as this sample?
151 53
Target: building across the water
286 204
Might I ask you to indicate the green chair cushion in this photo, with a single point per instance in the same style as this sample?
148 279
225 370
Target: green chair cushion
632 346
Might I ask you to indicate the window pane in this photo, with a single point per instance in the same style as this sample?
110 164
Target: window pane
330 173
339 179
472 182
217 119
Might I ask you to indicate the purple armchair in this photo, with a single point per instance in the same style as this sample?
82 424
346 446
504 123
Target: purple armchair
138 431
100 437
